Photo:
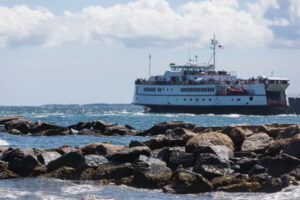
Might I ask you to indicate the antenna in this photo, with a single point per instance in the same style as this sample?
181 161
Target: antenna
149 65
272 73
196 57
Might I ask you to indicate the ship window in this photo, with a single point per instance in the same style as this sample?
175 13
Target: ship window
197 89
191 99
209 99
238 99
184 99
149 89
159 89
232 99
197 99
203 99
250 98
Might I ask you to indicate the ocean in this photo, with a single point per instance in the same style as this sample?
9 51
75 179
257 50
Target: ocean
38 188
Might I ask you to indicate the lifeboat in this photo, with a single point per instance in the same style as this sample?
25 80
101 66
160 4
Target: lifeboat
236 91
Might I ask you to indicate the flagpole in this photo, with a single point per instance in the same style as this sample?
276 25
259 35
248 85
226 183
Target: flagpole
214 52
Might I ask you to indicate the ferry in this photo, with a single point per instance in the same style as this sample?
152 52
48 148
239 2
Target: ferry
201 89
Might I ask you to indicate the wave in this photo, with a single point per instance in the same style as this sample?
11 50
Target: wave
3 143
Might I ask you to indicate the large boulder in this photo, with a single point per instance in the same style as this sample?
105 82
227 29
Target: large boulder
277 146
161 128
257 142
293 148
189 182
222 151
290 131
278 166
48 156
208 139
180 158
129 154
211 166
94 160
103 149
118 129
151 173
73 159
173 137
21 161
236 134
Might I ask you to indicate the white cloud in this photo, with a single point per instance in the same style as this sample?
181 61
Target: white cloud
142 23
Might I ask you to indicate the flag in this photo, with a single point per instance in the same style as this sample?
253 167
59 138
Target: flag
221 47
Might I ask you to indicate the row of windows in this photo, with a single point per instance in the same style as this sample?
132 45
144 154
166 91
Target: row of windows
197 89
149 89
181 89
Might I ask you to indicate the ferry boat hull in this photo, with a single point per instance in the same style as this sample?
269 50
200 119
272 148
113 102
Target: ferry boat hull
245 110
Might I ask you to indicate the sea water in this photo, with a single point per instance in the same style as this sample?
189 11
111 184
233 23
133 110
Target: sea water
37 188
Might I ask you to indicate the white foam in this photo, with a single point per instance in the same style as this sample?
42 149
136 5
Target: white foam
3 143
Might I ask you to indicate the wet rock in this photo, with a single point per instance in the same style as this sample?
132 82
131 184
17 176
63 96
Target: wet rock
172 137
208 139
39 170
116 172
48 156
281 165
129 154
22 162
236 134
277 146
257 169
296 172
246 164
243 186
134 143
101 125
64 149
290 131
94 160
22 126
3 120
164 153
7 174
244 154
182 158
211 166
45 126
161 128
73 159
87 174
65 173
117 130
257 143
224 181
103 149
189 182
271 185
151 173
293 148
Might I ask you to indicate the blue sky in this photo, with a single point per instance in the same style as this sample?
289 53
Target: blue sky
91 51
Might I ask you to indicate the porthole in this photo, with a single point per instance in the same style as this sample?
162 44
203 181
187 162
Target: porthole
184 99
191 99
197 99
203 99
250 98
210 99
238 99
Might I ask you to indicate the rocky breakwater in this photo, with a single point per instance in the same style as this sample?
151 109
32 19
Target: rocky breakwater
21 126
180 158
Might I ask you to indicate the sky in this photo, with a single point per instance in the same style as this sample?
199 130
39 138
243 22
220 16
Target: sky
91 51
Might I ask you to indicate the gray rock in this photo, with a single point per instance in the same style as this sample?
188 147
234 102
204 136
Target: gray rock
221 151
94 160
48 156
129 154
257 142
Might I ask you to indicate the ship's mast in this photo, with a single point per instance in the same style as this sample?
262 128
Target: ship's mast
214 42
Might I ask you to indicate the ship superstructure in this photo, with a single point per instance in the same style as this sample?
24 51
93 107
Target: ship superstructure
194 88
